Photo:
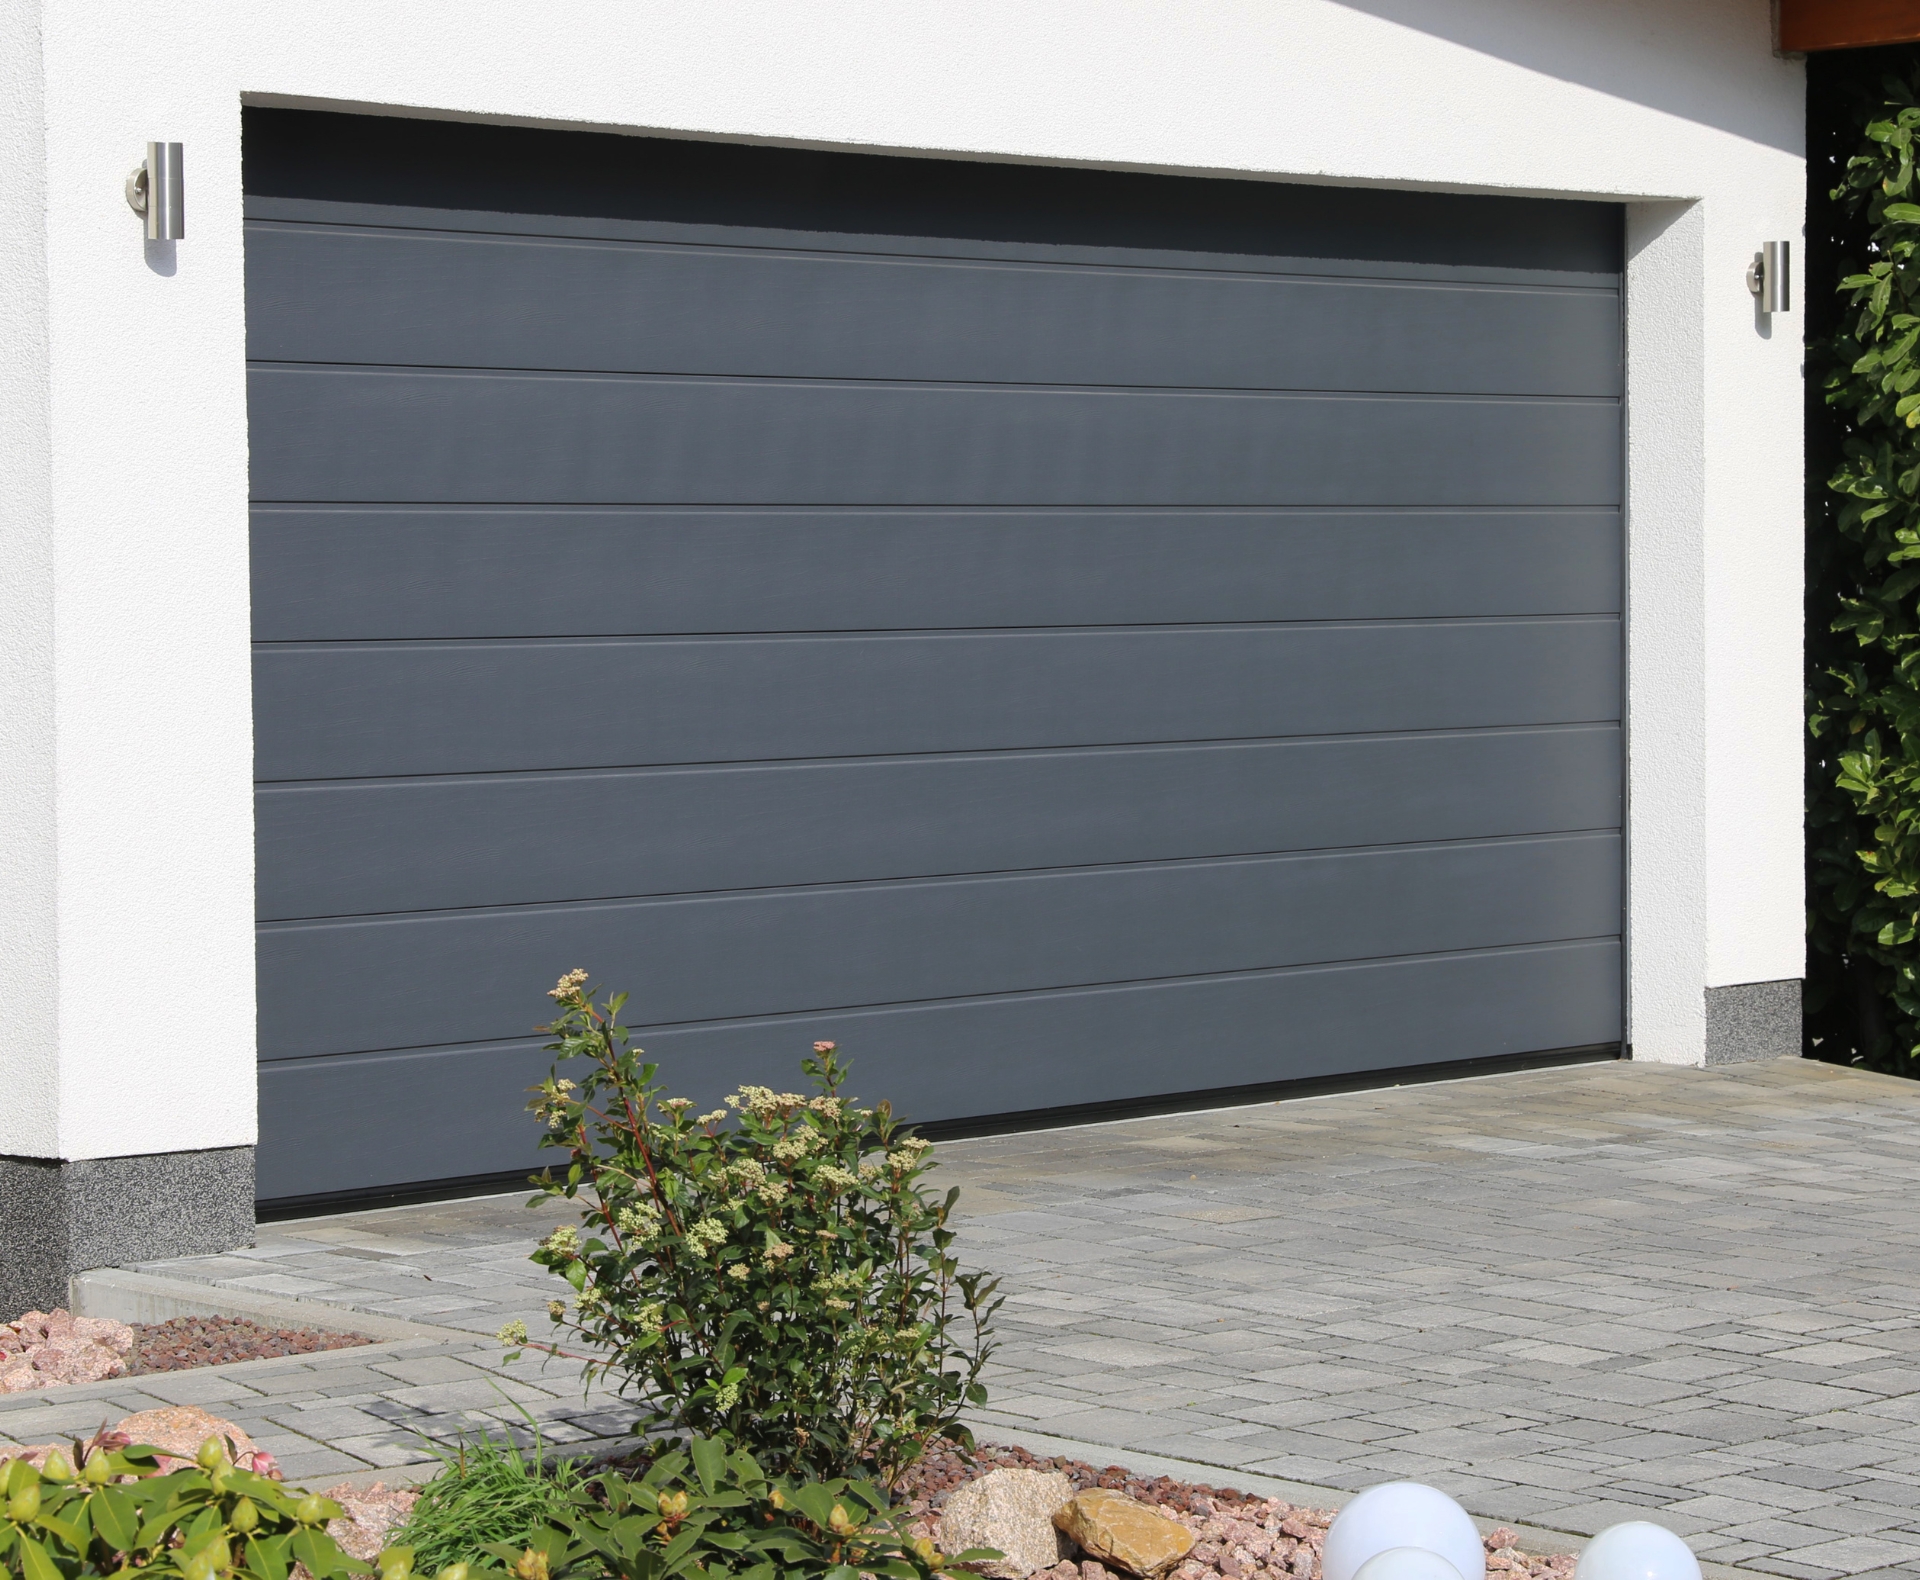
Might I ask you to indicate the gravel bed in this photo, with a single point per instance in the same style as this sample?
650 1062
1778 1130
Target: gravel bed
185 1342
1238 1535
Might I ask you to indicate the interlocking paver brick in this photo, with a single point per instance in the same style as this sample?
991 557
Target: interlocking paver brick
1853 1554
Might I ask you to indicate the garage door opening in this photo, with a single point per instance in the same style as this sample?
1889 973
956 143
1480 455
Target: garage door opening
1071 637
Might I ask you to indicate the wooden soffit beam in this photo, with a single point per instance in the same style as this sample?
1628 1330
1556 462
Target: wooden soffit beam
1809 25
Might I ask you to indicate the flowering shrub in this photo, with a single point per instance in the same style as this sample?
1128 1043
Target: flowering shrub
773 1273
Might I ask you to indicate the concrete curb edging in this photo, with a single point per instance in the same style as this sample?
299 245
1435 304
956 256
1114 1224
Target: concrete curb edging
143 1297
1533 1538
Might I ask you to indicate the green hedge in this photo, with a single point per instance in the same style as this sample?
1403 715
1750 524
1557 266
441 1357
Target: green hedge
1863 559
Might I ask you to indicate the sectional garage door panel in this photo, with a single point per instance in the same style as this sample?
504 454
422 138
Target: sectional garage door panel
454 841
537 438
1153 1036
428 707
452 572
427 976
1018 622
458 300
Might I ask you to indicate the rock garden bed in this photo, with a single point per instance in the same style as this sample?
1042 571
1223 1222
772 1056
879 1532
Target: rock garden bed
1236 1535
1006 1498
45 1348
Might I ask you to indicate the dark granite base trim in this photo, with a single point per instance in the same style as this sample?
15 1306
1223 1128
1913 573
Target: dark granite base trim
1750 1021
61 1217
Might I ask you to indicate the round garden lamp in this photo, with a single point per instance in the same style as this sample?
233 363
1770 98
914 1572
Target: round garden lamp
1401 1515
1637 1550
1407 1563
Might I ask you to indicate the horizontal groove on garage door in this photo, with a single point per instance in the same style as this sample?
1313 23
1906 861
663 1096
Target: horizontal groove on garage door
434 435
453 571
332 848
975 1056
340 710
429 977
1066 635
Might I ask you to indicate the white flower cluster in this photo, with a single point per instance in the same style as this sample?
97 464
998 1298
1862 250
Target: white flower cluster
750 1175
708 1233
907 1154
642 1220
565 1240
791 1149
761 1101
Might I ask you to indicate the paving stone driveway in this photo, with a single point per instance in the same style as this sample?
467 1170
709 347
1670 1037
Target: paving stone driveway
1569 1297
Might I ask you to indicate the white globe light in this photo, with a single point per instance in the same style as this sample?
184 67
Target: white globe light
1407 1563
1402 1514
1637 1550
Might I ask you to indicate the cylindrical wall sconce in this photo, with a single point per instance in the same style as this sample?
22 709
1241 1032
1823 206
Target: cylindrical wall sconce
157 191
1768 277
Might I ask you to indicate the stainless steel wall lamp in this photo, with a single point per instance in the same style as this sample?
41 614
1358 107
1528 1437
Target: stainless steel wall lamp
156 190
1768 277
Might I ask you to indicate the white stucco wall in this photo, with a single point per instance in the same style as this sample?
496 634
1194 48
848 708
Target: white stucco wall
125 751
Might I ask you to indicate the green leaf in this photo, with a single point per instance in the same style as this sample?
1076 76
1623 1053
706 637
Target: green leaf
679 1547
710 1462
317 1551
62 1529
115 1518
35 1564
267 1557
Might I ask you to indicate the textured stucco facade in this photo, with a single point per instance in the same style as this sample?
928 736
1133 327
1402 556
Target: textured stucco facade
126 883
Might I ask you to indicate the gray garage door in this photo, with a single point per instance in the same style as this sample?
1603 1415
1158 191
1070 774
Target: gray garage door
1068 636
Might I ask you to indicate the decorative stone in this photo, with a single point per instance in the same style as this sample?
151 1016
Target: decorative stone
371 1515
1011 1511
48 1347
179 1430
1118 1530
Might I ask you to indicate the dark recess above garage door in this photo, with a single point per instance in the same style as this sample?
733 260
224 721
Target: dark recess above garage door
1068 636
